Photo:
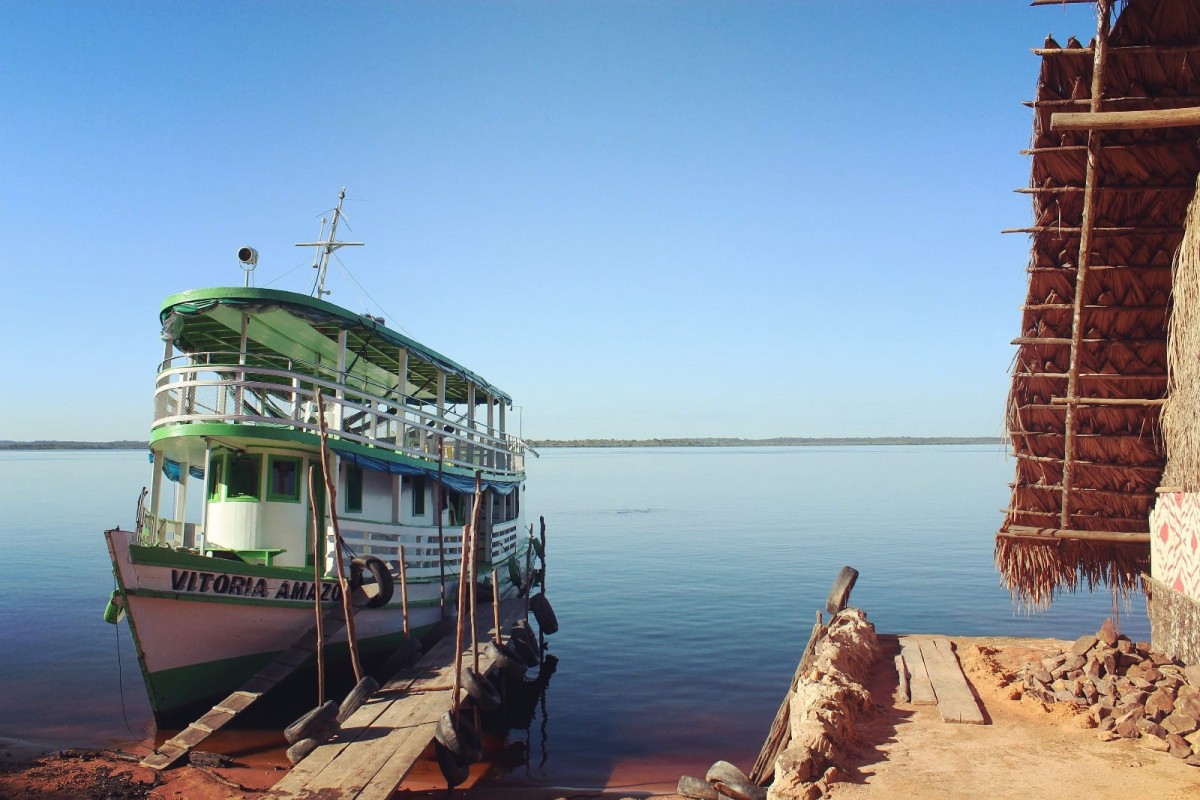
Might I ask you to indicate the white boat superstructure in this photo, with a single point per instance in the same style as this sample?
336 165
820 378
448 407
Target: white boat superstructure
237 525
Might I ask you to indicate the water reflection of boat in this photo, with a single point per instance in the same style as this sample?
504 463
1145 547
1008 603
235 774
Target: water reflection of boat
214 596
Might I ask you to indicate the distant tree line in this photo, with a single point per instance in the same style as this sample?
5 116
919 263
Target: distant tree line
780 441
45 444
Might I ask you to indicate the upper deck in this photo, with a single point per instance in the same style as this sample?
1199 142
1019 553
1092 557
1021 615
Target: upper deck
258 357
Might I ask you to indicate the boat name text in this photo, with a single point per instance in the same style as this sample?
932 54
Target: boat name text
187 580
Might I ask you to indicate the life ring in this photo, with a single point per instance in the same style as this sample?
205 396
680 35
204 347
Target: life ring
481 690
544 614
462 740
382 579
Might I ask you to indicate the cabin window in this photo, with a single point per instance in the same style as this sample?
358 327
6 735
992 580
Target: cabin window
214 479
418 496
243 477
284 483
354 486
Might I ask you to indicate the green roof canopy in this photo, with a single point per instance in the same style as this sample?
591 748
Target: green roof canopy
304 328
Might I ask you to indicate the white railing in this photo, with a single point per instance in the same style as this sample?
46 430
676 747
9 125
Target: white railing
213 387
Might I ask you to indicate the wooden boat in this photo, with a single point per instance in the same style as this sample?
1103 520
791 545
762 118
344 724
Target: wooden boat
216 586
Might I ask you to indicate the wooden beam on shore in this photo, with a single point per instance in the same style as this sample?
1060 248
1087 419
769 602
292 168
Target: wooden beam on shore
1105 401
780 734
1099 231
1125 120
1061 534
1165 187
1135 49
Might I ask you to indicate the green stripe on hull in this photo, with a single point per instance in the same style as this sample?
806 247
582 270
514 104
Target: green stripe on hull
198 686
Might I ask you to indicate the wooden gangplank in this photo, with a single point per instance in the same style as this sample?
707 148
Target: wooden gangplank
934 660
380 742
263 681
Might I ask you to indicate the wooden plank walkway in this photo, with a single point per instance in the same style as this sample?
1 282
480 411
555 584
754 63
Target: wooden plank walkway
381 741
936 659
920 688
263 681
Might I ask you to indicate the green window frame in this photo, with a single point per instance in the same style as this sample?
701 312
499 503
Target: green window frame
283 479
354 489
418 496
244 479
214 478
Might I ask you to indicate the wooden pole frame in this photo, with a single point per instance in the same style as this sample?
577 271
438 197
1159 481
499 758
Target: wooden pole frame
1125 120
1103 13
316 550
331 491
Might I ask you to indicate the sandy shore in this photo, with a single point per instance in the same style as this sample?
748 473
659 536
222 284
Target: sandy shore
1026 749
26 773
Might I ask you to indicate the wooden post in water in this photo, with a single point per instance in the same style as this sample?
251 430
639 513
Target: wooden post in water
316 550
404 590
331 491
437 509
528 578
475 508
458 627
496 604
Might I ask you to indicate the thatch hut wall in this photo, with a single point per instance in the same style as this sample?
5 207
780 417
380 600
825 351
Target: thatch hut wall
1084 407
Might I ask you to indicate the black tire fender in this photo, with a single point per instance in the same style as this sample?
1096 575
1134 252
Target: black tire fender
484 693
297 752
462 740
544 613
495 676
524 642
696 788
382 577
506 659
839 593
725 772
740 790
321 720
452 769
358 695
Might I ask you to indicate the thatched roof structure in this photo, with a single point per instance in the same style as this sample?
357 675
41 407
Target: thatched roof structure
1090 373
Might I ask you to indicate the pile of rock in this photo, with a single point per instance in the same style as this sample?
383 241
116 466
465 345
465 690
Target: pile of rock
1129 691
824 708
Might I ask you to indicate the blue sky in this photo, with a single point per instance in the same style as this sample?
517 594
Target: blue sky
648 219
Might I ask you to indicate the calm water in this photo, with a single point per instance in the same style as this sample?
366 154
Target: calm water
685 582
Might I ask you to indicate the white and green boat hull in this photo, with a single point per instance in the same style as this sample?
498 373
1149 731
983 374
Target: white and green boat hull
203 626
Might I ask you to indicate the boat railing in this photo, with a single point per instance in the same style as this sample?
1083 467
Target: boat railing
162 531
276 391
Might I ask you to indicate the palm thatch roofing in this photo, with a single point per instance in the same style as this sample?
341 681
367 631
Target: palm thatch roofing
1090 374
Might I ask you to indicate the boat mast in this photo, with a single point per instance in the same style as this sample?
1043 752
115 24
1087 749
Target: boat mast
327 247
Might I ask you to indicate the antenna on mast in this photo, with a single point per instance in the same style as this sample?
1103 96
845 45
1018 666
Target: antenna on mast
327 247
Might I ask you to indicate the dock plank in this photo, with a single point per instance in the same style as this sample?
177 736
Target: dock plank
380 742
920 686
955 701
